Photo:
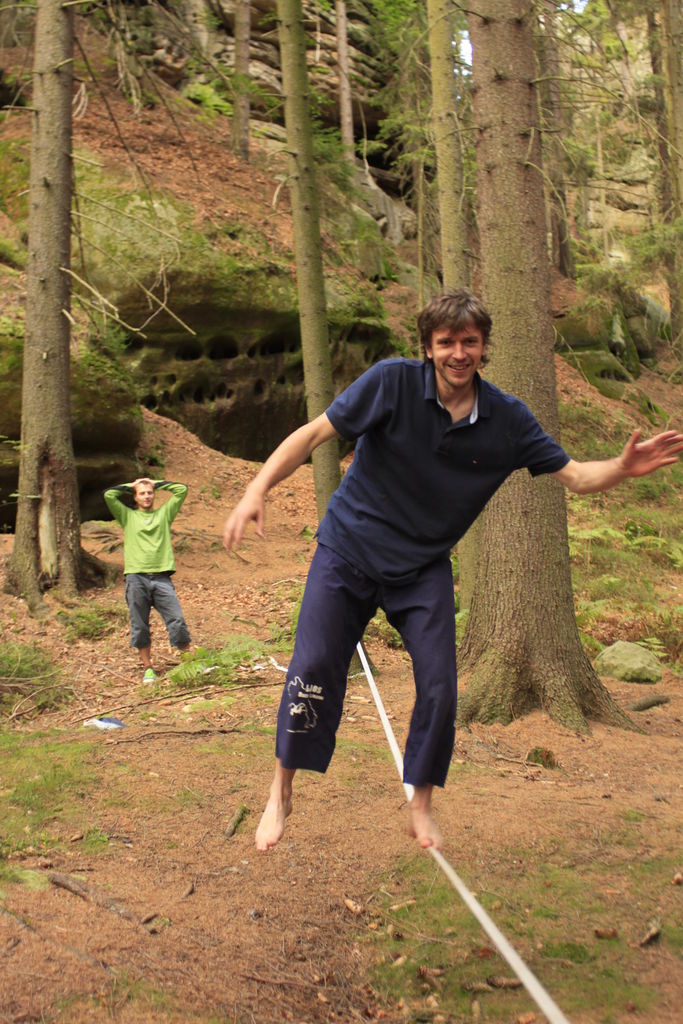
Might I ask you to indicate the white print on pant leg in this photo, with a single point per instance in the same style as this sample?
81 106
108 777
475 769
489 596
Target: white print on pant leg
301 711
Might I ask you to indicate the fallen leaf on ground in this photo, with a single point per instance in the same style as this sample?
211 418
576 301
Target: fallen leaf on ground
605 933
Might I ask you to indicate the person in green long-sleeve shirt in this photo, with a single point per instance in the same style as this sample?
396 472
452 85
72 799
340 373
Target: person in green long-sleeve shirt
148 562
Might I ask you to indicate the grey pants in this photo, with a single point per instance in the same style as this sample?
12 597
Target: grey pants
147 590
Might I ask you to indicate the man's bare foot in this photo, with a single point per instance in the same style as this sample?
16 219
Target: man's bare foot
272 824
422 825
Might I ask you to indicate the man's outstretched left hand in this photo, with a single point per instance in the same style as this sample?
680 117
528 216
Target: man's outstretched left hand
642 457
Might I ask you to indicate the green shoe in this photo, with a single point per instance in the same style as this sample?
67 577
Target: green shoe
149 677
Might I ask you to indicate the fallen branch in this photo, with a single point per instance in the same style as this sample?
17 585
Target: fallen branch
519 760
60 945
175 732
236 820
79 888
169 697
278 981
649 702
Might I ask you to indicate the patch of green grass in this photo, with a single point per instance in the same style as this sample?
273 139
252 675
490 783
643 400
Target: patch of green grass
549 905
29 680
673 936
11 256
660 870
213 705
123 995
187 797
576 952
252 744
92 622
95 840
624 569
44 781
36 881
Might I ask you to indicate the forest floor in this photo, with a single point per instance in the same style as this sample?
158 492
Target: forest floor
127 899
179 920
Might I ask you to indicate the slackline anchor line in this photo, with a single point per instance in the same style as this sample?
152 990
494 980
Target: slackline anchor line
527 978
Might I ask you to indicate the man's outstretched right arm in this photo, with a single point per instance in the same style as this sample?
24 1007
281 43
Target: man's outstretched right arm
287 457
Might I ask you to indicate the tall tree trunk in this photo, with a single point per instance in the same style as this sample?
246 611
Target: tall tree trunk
602 187
522 647
241 81
447 144
421 228
554 126
673 271
307 246
47 541
195 14
672 24
450 176
344 69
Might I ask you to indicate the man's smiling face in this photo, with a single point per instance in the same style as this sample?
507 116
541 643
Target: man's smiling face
456 356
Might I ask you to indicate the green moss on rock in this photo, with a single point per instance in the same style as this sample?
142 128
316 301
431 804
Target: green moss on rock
601 369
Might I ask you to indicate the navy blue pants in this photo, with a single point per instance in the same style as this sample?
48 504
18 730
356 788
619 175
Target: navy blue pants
147 590
339 601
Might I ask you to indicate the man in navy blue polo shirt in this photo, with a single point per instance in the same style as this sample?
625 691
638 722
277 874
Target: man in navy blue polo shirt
434 441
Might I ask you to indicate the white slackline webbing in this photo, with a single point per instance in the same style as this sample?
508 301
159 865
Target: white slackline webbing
529 980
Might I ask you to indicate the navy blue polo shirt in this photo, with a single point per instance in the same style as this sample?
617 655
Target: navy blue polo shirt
417 480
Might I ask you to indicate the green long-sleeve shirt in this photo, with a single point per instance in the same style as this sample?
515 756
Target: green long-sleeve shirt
147 533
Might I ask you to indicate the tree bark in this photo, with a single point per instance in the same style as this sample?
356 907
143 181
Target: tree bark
672 25
673 271
344 68
47 540
554 126
241 81
522 648
447 144
307 244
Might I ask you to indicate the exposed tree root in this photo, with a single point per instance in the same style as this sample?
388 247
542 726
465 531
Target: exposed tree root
571 694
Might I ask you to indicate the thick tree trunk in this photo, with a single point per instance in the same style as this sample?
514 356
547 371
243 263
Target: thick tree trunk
242 104
344 68
447 144
673 270
307 246
522 648
47 541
